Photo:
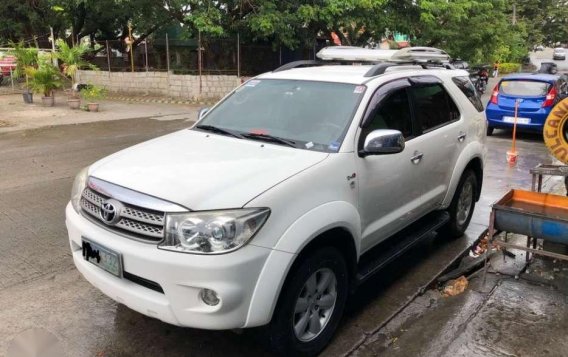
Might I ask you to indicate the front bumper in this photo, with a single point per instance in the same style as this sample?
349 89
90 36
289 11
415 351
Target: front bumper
182 276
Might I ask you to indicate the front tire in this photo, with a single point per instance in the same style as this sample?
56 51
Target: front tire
463 203
310 305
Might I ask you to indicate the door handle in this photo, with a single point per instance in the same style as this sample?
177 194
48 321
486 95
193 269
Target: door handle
416 158
461 136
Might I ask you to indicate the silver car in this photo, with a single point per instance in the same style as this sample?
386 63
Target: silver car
559 54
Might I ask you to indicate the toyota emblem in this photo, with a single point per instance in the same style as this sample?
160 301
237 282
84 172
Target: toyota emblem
110 211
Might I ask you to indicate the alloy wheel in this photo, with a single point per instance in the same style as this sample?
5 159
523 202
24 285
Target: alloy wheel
464 203
314 306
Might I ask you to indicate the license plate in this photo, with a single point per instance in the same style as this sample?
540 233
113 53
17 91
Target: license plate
102 257
519 120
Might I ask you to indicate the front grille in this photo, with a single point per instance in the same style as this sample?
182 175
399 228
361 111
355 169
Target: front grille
136 222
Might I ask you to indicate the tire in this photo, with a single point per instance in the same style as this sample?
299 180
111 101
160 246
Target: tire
555 131
462 206
490 130
281 332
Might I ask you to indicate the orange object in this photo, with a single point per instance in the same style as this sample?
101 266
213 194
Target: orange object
512 158
544 200
512 154
455 287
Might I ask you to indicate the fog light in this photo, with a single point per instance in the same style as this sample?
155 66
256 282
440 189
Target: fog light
209 297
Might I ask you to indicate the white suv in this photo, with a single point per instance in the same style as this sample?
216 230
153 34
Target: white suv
279 201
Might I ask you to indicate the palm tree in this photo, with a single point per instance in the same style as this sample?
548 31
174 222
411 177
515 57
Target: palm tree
72 57
26 58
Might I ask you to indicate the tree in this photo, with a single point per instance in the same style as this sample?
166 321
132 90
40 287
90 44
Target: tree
73 57
476 30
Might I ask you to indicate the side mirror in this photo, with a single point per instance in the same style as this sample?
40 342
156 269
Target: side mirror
382 141
202 113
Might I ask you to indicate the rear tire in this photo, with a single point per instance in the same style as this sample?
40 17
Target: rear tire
461 208
310 305
490 130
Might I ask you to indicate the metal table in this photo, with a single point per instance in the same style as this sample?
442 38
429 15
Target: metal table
534 214
548 170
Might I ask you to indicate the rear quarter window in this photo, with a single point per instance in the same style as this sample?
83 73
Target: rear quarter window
524 88
467 88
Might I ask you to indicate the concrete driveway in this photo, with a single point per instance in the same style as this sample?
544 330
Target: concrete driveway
41 289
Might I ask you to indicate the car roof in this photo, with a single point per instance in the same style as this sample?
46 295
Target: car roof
543 77
352 74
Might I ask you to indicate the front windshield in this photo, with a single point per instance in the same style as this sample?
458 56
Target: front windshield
314 115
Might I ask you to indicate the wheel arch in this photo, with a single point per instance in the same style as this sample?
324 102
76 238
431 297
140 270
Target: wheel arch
268 290
472 158
477 167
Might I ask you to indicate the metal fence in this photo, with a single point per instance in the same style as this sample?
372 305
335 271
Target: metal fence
193 56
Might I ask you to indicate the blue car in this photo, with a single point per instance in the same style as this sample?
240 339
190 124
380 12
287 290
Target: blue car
537 94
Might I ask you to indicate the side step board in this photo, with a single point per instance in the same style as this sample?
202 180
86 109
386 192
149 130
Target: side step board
380 256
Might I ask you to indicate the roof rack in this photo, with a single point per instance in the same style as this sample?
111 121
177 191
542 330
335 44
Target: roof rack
354 54
425 57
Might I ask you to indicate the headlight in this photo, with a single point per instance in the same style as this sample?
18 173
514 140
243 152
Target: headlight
78 187
212 232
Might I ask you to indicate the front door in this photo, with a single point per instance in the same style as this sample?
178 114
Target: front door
389 189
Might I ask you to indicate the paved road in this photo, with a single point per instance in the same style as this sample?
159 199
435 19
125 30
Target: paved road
40 288
546 56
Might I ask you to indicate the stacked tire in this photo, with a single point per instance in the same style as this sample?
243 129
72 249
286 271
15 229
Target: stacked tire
555 131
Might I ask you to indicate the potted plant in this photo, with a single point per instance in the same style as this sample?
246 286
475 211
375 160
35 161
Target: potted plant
26 61
72 58
92 94
45 79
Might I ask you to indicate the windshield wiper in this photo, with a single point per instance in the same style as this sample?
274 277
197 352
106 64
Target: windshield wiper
216 129
272 138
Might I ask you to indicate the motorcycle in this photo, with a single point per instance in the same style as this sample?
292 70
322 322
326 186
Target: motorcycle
480 78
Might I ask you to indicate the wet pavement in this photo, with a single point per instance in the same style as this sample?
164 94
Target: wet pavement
509 312
41 289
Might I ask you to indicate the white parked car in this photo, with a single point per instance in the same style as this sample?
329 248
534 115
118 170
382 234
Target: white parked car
559 54
286 195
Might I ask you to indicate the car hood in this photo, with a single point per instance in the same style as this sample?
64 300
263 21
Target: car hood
203 171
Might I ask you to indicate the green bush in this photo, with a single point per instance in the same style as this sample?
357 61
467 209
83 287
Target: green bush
505 68
92 93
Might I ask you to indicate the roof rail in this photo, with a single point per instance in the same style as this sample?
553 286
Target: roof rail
296 64
381 68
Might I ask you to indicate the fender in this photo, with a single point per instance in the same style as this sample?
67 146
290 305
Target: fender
298 235
473 150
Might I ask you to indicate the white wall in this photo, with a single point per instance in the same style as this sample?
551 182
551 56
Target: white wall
161 84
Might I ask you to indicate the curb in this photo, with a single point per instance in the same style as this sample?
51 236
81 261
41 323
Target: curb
160 100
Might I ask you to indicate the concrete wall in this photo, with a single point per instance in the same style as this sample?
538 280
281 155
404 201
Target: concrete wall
161 84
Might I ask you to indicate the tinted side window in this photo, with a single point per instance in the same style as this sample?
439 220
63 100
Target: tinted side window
393 113
434 107
465 85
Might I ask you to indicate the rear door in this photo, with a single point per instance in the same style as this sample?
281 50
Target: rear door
443 136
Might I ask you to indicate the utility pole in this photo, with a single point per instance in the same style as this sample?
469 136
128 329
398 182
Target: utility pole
514 14
131 47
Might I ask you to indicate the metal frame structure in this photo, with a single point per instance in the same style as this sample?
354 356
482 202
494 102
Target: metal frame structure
531 248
